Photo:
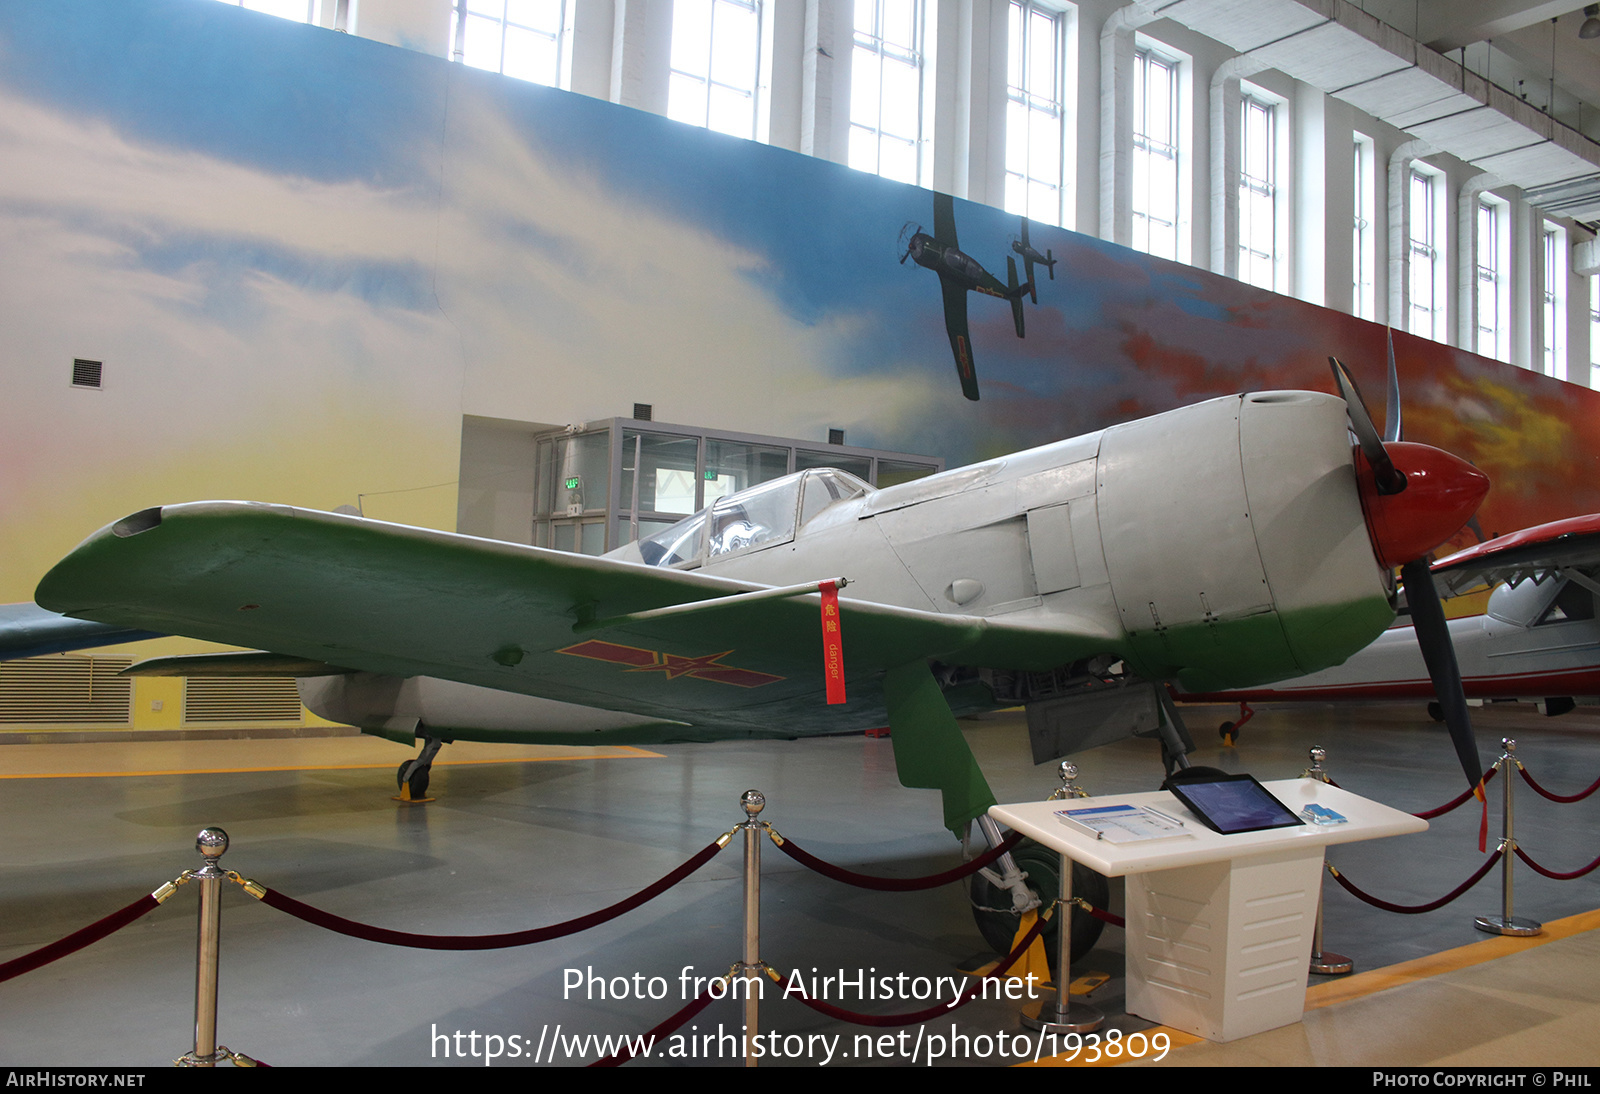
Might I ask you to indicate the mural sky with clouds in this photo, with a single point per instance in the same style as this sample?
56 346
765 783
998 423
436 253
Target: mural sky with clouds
303 256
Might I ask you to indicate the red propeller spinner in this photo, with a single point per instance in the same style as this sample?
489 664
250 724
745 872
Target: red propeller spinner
1439 495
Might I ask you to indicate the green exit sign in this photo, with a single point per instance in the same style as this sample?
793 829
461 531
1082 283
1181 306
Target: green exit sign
711 476
574 482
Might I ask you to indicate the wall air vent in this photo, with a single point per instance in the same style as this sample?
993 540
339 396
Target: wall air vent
642 411
66 689
86 373
242 699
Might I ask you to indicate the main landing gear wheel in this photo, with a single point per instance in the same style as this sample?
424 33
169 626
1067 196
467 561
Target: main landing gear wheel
998 923
1435 711
418 782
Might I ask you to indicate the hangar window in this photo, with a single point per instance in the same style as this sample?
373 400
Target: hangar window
528 39
887 73
716 65
1594 331
1156 185
1261 210
1494 295
1425 258
1363 248
300 11
1555 301
1035 112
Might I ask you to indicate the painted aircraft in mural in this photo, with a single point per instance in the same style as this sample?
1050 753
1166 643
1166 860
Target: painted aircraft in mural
1538 640
1032 258
959 274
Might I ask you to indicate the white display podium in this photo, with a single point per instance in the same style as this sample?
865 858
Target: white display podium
1219 928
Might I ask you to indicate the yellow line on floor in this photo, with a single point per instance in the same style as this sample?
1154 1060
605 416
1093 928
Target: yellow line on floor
1348 988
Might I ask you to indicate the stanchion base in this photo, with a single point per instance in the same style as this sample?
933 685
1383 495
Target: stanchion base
1046 1016
1514 925
1331 964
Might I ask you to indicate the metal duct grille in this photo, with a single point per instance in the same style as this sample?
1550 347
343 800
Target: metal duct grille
241 699
66 689
86 373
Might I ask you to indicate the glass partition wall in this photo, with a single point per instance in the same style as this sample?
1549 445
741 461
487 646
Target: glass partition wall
608 483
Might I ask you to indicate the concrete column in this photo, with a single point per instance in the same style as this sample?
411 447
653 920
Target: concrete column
1224 106
825 80
641 54
1116 121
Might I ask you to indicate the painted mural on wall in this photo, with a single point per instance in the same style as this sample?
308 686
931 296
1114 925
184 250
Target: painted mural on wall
303 256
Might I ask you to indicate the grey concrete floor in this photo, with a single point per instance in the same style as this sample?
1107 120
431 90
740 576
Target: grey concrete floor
509 846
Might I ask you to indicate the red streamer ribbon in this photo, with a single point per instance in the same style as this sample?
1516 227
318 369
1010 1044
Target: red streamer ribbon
832 642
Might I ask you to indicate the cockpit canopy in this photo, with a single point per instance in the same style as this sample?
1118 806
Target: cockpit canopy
762 516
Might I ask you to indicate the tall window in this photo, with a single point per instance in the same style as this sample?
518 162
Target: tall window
1425 260
300 11
1555 302
1493 295
1034 113
716 64
521 38
1594 331
1155 154
1259 258
886 76
1363 255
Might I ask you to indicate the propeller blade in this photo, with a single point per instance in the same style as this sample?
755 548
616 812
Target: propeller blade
1390 479
1433 636
1393 428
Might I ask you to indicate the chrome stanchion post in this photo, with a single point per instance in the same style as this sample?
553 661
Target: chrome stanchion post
753 802
1505 922
211 843
1069 787
1063 1015
1323 963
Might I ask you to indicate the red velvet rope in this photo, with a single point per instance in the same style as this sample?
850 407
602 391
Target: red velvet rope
895 884
1523 855
486 941
1456 801
1578 797
1106 917
1404 909
842 1015
672 1023
77 940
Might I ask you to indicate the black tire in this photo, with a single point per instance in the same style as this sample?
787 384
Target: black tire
419 784
1435 711
400 775
1227 730
998 924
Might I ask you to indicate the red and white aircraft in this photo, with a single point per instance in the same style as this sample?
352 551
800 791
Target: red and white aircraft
1538 640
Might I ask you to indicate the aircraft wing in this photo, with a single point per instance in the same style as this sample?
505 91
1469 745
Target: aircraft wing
1563 545
955 325
944 220
385 598
27 630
